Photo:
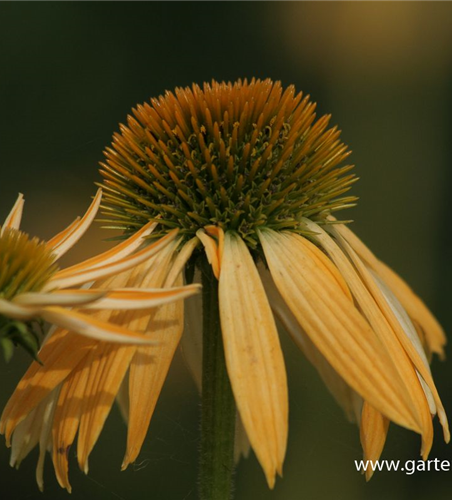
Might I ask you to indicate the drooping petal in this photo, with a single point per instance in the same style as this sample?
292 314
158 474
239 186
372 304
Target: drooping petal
118 252
335 326
344 395
26 436
149 367
370 301
106 373
253 356
148 372
114 267
373 431
414 306
15 216
39 381
45 437
90 326
419 362
61 244
67 418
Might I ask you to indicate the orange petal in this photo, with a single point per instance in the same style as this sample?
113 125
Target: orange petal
373 431
67 418
148 372
39 380
106 373
253 356
116 253
211 249
115 267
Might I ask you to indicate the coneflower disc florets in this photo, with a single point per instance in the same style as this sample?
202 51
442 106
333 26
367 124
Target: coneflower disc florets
26 264
241 156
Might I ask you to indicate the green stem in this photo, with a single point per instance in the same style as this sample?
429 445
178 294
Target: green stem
218 412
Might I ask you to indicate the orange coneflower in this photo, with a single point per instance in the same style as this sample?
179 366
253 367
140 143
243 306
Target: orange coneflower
251 180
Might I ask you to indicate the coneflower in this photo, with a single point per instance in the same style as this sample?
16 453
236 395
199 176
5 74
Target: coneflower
251 179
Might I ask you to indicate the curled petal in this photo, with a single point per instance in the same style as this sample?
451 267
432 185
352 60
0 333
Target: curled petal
67 239
115 267
114 254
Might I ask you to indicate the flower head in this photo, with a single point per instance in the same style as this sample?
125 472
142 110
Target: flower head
250 179
33 289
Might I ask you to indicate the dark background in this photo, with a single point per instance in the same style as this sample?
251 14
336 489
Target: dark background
70 72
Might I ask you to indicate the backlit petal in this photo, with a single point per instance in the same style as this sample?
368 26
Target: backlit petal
71 237
373 431
112 268
15 216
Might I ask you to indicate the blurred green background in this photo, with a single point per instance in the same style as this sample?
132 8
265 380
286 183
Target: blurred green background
72 71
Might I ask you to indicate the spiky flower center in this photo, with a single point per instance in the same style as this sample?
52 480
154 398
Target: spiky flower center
241 156
25 264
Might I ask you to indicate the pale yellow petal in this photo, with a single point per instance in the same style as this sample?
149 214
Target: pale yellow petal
45 437
373 431
336 327
344 395
90 326
369 300
135 298
61 298
414 306
17 311
253 356
418 361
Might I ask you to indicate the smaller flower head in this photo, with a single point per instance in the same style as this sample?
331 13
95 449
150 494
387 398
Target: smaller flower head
33 289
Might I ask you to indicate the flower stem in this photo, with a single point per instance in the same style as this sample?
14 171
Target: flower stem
218 412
